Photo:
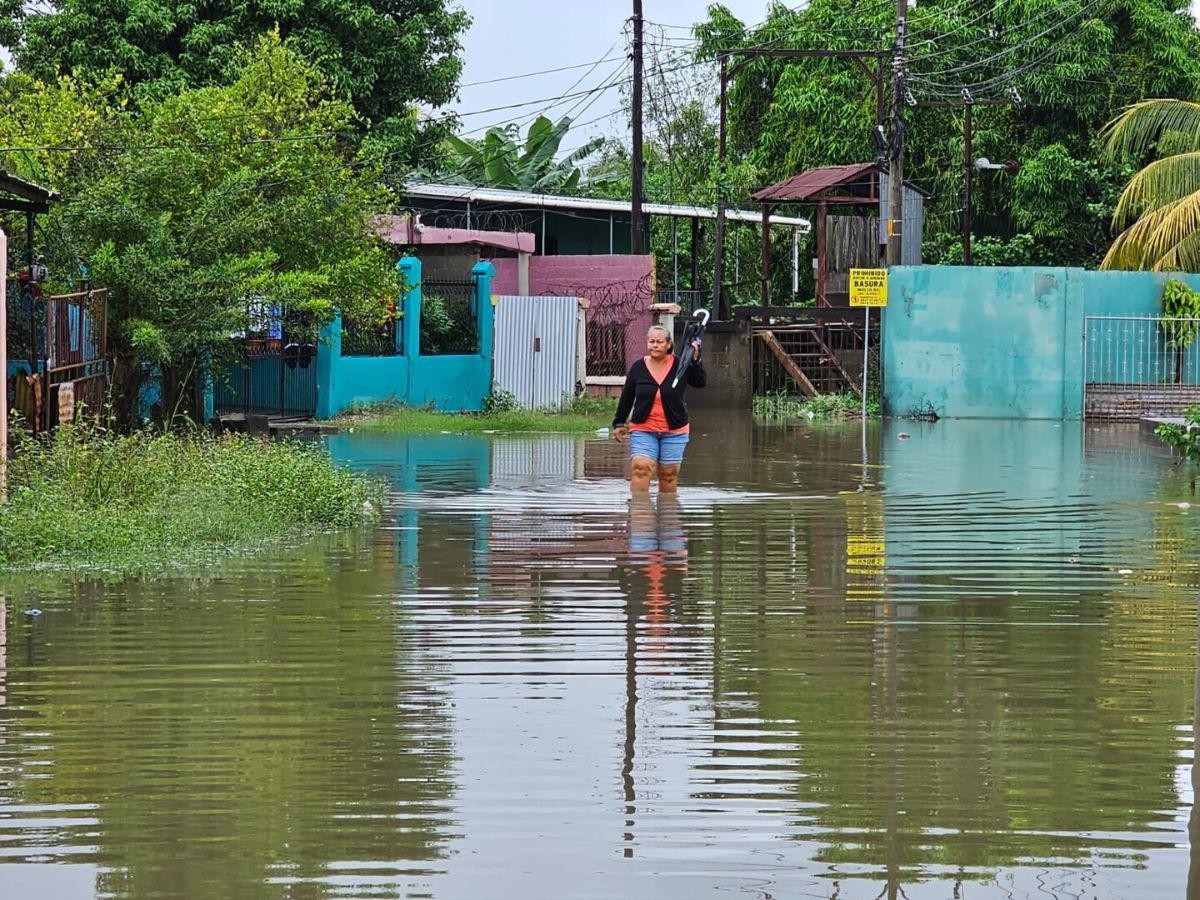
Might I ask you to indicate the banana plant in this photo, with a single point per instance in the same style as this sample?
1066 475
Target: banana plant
501 160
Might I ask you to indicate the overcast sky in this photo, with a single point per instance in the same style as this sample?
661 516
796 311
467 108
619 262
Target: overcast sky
515 37
521 36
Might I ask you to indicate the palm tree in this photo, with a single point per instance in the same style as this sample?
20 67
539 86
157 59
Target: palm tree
499 160
1159 209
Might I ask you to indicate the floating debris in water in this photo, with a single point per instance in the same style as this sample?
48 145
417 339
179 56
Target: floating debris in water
1124 571
33 613
903 436
1072 560
1184 505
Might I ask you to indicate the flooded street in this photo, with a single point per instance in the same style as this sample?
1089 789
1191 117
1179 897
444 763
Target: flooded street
963 668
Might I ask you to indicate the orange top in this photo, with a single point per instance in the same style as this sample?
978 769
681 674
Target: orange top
657 420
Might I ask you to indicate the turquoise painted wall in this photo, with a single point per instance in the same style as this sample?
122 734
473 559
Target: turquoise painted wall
979 342
451 383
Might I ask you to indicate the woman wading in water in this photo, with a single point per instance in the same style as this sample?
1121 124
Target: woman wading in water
658 429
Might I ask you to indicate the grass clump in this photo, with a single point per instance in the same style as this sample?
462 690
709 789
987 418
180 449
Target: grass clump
90 498
583 415
779 405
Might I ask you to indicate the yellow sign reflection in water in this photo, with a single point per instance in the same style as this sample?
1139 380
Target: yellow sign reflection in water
866 547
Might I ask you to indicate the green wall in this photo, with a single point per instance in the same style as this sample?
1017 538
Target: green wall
979 342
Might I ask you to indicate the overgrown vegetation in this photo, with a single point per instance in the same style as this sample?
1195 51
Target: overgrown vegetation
584 415
88 498
1185 439
779 405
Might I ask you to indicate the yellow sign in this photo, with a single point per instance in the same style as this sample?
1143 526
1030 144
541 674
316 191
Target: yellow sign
868 287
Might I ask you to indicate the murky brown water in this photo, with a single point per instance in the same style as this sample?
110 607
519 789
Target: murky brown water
974 678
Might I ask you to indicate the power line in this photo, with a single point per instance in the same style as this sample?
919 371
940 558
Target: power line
1014 47
585 65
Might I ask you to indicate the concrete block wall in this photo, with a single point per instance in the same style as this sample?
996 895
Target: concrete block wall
618 288
980 342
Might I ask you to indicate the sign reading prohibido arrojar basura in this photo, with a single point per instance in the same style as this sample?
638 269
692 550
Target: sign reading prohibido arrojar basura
868 287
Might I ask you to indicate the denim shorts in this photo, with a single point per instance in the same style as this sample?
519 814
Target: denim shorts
666 449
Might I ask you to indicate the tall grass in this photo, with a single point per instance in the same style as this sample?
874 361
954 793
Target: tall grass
582 416
779 405
90 498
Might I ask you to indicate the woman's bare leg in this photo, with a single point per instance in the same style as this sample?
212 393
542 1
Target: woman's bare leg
668 479
641 471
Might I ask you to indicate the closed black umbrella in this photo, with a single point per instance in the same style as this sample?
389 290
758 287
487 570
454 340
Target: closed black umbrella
691 332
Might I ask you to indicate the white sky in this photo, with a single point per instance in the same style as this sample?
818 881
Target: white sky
514 37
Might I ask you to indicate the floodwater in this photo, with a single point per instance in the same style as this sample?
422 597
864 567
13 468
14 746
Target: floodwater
965 668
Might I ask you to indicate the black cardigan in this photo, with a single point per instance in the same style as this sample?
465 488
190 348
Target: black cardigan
640 388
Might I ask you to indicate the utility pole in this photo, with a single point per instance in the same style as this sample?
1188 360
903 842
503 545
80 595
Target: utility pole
729 71
896 155
719 252
968 103
637 241
968 166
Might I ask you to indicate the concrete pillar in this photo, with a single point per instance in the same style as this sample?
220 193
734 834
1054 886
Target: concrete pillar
409 333
329 352
485 312
523 274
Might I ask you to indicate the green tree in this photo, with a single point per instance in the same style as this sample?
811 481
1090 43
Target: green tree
382 56
1075 65
217 198
1159 209
501 160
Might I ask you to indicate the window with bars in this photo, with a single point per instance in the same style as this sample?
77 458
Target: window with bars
605 348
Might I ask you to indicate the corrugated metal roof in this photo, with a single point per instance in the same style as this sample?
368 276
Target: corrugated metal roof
811 182
551 201
808 184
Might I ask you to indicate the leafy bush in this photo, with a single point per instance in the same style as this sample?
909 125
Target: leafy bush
1180 302
500 400
90 497
781 405
1186 437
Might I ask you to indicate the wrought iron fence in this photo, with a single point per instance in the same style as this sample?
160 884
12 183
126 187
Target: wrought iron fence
371 340
605 348
449 321
1136 366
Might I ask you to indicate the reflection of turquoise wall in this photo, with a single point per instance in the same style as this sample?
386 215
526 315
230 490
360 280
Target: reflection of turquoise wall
970 501
451 383
979 342
419 462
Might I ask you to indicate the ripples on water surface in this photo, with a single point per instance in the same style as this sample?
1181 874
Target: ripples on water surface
974 678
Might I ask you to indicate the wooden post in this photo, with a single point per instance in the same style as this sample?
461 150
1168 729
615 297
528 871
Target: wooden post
822 209
765 297
4 366
968 165
718 300
695 251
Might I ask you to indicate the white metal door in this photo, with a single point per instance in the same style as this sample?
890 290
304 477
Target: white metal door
535 350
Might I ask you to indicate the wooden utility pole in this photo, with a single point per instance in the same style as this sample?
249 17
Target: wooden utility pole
968 168
968 103
729 71
637 241
896 149
718 303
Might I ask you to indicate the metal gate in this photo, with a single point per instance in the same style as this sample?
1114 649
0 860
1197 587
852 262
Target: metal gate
76 368
1138 366
537 349
280 382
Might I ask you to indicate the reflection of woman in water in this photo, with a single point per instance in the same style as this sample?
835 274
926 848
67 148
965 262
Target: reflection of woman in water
658 429
657 555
